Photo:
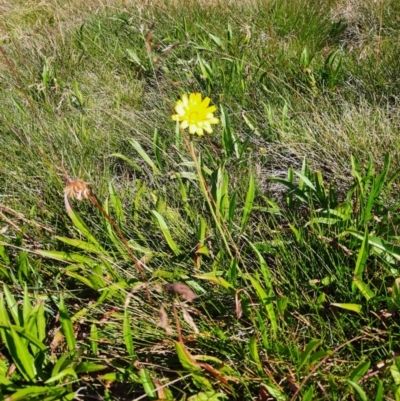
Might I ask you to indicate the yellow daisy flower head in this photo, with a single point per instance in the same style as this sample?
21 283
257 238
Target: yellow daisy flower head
194 113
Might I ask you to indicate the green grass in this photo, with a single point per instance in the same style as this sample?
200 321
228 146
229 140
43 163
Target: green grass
291 245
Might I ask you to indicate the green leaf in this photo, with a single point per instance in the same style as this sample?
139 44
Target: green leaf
292 188
266 301
395 298
364 288
248 206
208 396
85 246
254 351
274 392
94 339
351 307
66 325
216 279
317 356
217 41
128 161
263 267
116 204
26 306
379 391
4 255
127 333
232 210
69 271
21 356
67 257
306 181
88 367
229 140
359 371
220 191
376 189
156 147
65 373
83 228
35 391
362 258
22 331
12 305
135 59
166 232
359 390
378 243
187 361
136 145
148 385
311 347
262 329
308 396
394 370
41 323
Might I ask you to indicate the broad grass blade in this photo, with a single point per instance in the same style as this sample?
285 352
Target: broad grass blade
66 325
360 370
351 307
166 232
248 206
361 258
136 145
358 389
148 385
116 204
94 338
127 333
12 306
310 348
21 356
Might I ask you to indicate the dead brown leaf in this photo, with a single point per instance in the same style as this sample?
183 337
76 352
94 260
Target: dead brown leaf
164 321
181 289
189 320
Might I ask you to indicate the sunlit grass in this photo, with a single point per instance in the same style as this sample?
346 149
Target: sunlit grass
259 261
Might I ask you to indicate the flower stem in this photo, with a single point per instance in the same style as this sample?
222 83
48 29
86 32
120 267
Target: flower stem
206 193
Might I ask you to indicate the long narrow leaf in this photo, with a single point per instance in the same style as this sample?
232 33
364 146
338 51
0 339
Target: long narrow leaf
127 333
359 371
66 325
266 300
248 206
136 145
362 258
12 305
310 348
361 393
21 356
116 204
166 232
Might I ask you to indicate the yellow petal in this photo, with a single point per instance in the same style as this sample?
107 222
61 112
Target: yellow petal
205 102
210 109
185 100
199 131
192 129
198 98
207 127
184 124
192 98
180 107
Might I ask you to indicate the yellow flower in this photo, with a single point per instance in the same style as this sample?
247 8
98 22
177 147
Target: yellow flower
193 112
